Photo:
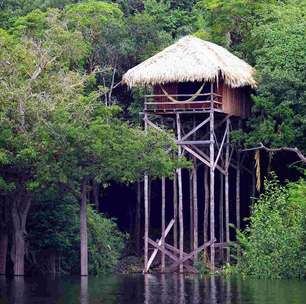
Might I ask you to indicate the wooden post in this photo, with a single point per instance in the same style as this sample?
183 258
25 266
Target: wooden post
163 224
227 235
149 199
180 193
238 191
195 208
146 212
238 184
138 217
191 208
206 205
175 210
212 178
221 215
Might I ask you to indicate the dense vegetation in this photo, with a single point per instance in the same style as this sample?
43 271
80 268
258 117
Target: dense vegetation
274 244
64 128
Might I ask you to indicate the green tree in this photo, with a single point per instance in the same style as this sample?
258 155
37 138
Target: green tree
280 112
274 242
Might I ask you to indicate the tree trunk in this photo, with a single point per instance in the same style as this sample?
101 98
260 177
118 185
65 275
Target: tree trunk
19 211
52 263
83 231
3 236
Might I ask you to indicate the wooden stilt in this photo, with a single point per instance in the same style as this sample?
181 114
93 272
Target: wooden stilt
227 235
238 191
191 208
206 205
146 213
180 194
163 221
175 210
149 199
212 180
138 217
239 161
195 208
221 215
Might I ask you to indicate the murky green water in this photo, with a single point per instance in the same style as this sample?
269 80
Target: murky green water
150 289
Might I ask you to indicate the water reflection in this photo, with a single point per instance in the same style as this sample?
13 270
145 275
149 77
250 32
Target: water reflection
84 291
18 290
150 289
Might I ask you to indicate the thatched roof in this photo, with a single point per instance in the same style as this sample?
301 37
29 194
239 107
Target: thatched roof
191 59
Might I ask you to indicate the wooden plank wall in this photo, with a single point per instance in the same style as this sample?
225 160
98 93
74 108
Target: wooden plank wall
235 101
171 88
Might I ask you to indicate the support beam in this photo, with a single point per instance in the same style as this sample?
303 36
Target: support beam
170 254
163 223
221 215
227 160
190 255
195 207
193 142
196 128
238 191
138 218
175 210
206 206
146 212
191 209
153 255
221 147
206 157
180 193
195 154
212 181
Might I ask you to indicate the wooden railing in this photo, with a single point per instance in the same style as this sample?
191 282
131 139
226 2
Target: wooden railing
163 104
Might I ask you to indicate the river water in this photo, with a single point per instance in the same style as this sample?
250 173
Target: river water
150 289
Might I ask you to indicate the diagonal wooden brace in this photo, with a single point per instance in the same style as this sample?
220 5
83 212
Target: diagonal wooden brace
153 255
171 256
189 255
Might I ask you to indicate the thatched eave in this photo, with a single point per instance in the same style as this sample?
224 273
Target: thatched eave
191 59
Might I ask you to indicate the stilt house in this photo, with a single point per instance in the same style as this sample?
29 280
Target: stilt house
205 91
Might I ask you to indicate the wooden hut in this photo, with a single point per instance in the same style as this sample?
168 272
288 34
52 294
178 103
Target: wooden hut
205 90
182 73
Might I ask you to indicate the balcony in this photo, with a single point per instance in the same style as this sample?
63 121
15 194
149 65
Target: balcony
182 103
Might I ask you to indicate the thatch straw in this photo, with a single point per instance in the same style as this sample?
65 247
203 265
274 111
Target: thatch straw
191 59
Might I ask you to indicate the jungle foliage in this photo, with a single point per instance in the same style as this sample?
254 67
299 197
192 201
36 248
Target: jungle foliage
274 243
63 125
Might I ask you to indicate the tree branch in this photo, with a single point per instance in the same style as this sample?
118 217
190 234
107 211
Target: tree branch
299 153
